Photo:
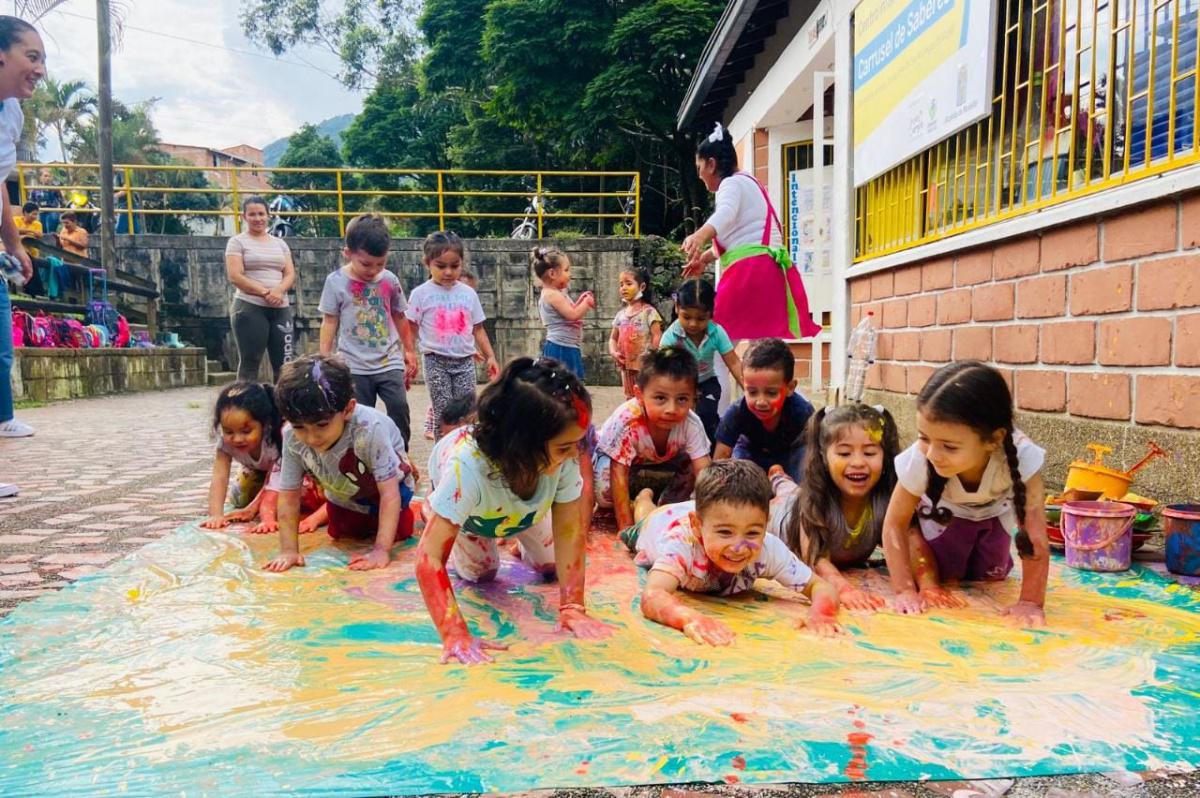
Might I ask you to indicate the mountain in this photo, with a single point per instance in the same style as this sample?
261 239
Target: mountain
332 127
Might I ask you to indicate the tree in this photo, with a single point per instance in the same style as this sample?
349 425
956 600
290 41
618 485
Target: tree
134 136
63 107
308 149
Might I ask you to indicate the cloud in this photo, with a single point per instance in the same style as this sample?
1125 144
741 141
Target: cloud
208 95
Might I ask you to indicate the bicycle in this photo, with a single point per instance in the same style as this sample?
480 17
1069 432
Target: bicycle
526 229
629 208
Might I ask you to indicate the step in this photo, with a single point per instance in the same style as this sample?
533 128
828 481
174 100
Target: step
221 377
213 365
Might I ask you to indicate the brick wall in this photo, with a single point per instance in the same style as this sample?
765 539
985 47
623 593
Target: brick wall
1098 319
761 156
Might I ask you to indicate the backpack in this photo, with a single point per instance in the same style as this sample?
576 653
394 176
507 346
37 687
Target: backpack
40 331
121 337
69 333
21 323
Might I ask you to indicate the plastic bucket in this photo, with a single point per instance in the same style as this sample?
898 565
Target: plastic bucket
1098 535
1181 528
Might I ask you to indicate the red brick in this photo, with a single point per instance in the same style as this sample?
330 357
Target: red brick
1073 245
895 313
906 346
1140 232
937 274
895 378
1108 290
1187 340
860 289
922 310
935 346
875 377
1045 391
1169 283
881 284
1042 297
973 343
954 307
973 268
1016 258
1173 401
1072 342
1007 376
855 315
917 377
1191 221
1138 341
884 344
908 281
1099 395
1017 343
992 302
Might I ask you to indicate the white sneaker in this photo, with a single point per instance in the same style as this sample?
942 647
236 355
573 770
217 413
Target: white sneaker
8 489
15 429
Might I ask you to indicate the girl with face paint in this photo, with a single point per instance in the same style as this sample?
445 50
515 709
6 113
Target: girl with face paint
636 329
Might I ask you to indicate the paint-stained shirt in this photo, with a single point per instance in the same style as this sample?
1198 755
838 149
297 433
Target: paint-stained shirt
715 343
738 422
369 451
625 437
633 324
268 455
669 541
445 318
472 494
367 336
442 451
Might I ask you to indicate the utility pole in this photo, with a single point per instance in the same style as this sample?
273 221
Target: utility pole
108 243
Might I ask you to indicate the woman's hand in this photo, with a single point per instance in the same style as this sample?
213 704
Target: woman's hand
693 246
274 298
694 268
23 258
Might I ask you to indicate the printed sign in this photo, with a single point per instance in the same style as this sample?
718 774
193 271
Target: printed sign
804 232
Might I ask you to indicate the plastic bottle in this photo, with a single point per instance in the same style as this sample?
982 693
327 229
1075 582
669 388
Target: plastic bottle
861 349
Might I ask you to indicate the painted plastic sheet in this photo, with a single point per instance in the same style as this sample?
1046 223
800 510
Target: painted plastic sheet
186 670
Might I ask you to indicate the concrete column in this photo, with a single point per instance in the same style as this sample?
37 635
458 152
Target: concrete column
842 216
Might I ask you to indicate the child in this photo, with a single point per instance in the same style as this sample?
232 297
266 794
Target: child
458 417
518 466
450 320
246 418
469 279
637 327
835 519
654 438
719 544
27 221
973 480
363 305
695 330
562 317
767 425
71 236
354 453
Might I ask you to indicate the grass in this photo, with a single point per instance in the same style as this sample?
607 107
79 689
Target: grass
28 404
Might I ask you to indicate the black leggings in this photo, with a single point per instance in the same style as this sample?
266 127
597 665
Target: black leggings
258 329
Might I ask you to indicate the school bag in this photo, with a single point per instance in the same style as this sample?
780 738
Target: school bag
39 331
121 336
99 310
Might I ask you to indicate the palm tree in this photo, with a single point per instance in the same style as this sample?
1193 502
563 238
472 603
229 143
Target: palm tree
133 136
63 106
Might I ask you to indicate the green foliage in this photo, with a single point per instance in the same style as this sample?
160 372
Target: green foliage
133 134
664 262
172 224
308 149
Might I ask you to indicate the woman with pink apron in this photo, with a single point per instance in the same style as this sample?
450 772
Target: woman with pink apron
759 293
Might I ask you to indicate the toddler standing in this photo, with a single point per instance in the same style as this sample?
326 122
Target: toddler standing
562 317
637 327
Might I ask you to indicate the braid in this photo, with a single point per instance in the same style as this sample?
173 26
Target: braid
1024 546
936 483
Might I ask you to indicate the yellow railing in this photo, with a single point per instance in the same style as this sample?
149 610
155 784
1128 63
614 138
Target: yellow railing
1090 94
146 190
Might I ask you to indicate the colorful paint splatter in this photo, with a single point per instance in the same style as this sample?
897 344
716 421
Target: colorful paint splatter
185 669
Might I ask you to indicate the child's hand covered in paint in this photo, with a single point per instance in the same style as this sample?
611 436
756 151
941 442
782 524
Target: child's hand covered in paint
577 622
469 650
908 602
265 528
215 522
855 599
708 631
822 624
942 598
370 561
1025 613
284 561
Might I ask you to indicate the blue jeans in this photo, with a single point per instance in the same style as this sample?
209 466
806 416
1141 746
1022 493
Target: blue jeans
6 354
791 460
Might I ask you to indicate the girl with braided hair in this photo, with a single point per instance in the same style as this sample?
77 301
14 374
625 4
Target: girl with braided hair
974 482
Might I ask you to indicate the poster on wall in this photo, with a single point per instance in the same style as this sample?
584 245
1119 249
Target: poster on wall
805 234
923 69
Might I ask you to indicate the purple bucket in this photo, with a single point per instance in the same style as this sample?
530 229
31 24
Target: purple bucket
1181 528
1098 535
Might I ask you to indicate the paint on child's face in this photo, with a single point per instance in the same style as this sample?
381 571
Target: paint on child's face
954 449
364 267
321 435
446 268
855 460
667 400
241 431
563 446
630 288
694 322
560 276
732 535
766 391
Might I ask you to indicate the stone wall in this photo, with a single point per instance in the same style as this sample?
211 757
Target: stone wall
1095 325
52 374
189 271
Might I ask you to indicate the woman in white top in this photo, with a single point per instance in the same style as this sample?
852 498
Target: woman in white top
759 293
22 65
261 269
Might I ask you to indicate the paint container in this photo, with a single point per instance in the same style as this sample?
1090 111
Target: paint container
1181 528
1098 535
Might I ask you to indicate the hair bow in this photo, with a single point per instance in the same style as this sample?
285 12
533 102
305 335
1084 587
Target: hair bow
718 132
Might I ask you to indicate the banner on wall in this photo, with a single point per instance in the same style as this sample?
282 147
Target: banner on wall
923 69
805 234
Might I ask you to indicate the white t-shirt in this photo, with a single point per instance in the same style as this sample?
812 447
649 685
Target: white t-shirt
669 542
12 122
625 437
473 495
993 497
268 455
741 212
442 451
263 260
446 318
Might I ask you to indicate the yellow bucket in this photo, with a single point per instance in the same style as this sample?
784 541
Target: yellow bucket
1095 476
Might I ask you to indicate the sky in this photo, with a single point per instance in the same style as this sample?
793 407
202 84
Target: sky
216 89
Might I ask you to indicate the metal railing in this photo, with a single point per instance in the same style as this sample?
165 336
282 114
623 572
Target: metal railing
147 189
1089 94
